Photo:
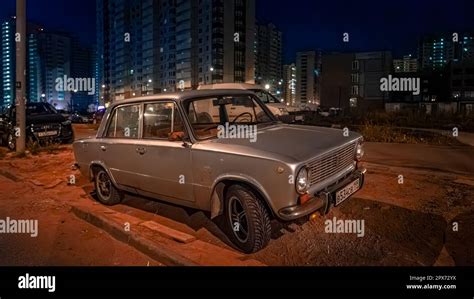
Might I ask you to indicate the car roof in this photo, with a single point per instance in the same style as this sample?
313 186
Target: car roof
184 95
243 86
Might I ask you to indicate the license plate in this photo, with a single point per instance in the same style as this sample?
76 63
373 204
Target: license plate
347 191
47 133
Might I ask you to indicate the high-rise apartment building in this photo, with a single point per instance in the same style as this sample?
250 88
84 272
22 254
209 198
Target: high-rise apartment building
289 84
308 68
437 50
268 64
55 52
82 66
152 46
8 57
50 55
8 62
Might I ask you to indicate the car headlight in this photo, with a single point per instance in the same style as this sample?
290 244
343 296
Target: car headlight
360 150
302 181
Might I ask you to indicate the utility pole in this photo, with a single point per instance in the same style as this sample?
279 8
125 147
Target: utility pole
20 39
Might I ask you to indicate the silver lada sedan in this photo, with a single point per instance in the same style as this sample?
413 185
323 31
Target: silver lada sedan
224 152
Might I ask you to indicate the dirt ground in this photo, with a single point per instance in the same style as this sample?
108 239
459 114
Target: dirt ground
35 188
406 224
409 224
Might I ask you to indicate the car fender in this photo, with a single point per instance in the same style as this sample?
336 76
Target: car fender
217 196
102 165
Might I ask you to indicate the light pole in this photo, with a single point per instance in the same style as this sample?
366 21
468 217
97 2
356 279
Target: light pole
20 38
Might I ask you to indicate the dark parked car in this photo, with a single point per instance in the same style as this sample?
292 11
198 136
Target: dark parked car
98 115
77 118
43 123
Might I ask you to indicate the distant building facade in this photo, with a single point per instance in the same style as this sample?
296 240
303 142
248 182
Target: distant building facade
408 64
462 85
353 80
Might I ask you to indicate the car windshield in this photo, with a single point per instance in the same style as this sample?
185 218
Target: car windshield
39 109
207 114
265 96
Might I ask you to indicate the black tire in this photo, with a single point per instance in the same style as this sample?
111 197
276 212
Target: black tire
11 142
106 192
250 232
69 140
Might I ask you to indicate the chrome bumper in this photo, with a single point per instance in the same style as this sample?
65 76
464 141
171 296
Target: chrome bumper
322 200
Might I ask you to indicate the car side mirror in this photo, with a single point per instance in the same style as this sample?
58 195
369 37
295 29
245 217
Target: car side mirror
186 142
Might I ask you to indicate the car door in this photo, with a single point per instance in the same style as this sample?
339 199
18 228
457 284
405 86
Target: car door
164 160
119 144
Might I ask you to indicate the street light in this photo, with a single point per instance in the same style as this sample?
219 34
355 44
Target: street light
267 86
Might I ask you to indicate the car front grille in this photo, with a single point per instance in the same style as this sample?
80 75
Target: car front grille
331 163
47 128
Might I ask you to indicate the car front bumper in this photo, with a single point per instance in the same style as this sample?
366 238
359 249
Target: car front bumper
322 200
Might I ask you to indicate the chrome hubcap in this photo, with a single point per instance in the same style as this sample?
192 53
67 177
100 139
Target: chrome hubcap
238 219
11 142
103 185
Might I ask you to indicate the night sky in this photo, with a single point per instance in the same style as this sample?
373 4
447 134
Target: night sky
306 24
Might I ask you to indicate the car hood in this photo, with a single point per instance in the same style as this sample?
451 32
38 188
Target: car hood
291 143
44 119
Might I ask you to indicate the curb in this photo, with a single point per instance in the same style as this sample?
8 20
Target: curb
163 243
131 238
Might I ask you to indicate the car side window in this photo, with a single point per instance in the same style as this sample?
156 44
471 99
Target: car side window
204 112
124 122
162 121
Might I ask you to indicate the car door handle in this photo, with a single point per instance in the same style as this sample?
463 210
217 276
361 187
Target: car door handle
103 148
141 150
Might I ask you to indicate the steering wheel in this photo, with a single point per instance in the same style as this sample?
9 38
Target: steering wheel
208 128
242 114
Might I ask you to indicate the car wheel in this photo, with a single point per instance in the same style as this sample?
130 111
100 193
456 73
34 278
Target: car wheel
107 193
11 143
247 219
